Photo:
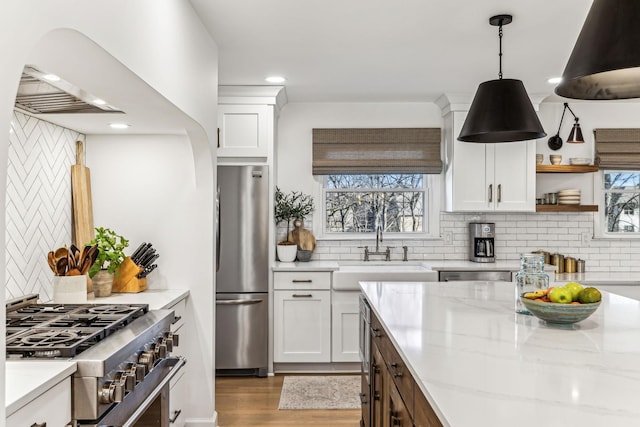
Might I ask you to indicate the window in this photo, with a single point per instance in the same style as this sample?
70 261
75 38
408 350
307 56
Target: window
358 203
621 198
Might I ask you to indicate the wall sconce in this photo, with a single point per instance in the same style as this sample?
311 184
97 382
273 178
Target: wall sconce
575 136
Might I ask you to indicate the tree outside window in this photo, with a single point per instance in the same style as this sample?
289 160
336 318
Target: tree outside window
359 203
621 199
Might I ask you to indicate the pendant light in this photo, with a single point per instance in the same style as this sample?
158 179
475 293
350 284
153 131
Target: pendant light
575 136
501 110
605 62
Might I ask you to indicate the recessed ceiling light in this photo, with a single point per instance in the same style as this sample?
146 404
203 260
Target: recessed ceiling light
554 80
99 101
51 77
275 79
119 125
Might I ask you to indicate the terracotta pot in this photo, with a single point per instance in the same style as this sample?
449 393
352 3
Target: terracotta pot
102 283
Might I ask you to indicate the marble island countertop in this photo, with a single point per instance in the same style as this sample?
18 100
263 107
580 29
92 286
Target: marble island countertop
27 379
480 364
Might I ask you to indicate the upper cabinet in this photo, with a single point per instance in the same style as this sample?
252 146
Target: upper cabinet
245 130
487 177
247 117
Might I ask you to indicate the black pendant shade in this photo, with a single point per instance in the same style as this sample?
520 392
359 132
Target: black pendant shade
605 62
501 111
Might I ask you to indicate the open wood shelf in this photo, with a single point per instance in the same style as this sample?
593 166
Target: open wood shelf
566 208
566 168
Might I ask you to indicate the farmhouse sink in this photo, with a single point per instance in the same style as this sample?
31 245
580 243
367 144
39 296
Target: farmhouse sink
346 278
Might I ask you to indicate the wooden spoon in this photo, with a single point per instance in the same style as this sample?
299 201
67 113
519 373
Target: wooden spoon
52 261
61 266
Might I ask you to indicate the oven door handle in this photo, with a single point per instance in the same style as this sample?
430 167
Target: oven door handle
156 391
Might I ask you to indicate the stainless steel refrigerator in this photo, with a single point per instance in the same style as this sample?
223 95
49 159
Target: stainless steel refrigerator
242 270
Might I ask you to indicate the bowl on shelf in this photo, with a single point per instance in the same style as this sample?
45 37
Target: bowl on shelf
539 158
579 161
559 313
555 159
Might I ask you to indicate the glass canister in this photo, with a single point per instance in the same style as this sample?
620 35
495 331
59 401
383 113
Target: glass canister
530 278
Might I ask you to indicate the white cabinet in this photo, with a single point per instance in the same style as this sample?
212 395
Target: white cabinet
345 316
245 130
302 317
51 408
487 177
178 385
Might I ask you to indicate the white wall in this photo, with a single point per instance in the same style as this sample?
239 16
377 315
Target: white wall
570 234
164 44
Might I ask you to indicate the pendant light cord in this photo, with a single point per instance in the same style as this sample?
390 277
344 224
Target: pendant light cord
500 54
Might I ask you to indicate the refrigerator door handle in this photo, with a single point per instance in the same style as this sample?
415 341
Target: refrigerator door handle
238 302
218 229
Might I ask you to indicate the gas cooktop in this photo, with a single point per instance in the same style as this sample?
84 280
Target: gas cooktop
63 330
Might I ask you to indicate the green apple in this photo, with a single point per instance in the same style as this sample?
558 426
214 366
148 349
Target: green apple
575 288
561 295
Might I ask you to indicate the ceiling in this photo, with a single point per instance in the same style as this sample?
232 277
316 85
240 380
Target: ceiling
338 51
389 51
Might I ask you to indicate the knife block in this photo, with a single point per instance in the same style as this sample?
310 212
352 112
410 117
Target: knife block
125 279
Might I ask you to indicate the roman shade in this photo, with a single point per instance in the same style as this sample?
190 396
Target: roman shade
376 150
618 149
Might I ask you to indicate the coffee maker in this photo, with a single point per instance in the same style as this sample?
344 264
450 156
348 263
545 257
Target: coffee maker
481 241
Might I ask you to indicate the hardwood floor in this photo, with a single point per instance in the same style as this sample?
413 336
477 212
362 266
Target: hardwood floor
252 401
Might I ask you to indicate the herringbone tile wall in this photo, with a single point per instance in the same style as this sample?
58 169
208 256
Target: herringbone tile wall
38 202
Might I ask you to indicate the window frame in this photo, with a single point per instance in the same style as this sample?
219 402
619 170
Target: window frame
432 200
600 222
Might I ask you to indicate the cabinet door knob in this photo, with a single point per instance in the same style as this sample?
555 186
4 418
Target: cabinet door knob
499 193
490 193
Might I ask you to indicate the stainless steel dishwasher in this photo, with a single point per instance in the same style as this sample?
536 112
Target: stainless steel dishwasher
493 276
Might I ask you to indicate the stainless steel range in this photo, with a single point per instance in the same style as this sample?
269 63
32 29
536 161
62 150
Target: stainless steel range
122 354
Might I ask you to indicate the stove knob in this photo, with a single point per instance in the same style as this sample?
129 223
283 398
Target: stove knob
173 338
140 371
129 381
112 392
169 343
160 350
147 359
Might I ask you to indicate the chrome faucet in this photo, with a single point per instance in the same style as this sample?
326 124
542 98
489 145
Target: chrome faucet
378 237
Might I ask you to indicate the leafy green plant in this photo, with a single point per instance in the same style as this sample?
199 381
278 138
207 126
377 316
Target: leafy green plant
110 250
290 206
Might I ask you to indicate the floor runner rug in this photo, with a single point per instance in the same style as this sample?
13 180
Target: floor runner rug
320 392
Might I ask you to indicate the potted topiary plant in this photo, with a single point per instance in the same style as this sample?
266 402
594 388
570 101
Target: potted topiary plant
288 207
110 256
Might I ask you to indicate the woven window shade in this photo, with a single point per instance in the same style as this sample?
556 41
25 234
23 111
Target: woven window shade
618 149
399 150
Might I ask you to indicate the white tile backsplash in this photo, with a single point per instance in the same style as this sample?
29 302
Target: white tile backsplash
38 202
515 233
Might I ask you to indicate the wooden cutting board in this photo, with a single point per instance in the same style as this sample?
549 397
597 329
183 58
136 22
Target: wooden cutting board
81 195
302 237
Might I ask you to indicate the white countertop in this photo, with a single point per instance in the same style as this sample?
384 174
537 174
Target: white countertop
480 363
27 379
156 298
433 265
306 266
600 278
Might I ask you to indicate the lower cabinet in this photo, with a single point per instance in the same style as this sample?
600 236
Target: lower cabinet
302 326
178 390
395 398
345 321
51 408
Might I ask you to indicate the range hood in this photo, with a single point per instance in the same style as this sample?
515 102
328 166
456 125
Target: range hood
36 95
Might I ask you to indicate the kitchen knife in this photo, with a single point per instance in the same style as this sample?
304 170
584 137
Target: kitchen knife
149 260
138 251
142 253
146 271
145 261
